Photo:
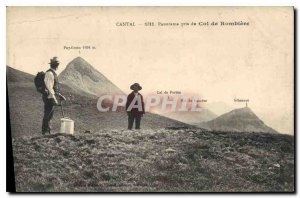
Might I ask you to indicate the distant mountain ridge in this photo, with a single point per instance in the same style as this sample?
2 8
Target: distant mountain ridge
192 117
238 120
82 76
219 108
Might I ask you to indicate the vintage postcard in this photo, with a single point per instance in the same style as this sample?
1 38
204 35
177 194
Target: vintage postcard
151 99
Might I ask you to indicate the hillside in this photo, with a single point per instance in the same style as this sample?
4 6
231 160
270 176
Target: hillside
83 77
26 110
14 75
238 120
155 161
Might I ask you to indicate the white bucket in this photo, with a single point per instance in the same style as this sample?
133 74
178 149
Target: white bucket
67 126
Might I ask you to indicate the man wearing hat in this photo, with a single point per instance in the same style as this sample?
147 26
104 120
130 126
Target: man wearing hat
135 110
51 92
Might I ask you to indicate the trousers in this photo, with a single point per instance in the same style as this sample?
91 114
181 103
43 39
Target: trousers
134 117
48 114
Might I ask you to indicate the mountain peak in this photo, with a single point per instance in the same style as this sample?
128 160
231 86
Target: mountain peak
244 110
81 75
81 68
240 120
79 63
79 59
241 114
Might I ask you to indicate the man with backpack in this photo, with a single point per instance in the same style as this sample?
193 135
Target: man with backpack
47 84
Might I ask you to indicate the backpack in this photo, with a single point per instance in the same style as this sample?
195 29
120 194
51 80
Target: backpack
39 82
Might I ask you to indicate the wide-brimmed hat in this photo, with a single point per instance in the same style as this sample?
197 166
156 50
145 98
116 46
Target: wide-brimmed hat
136 84
53 60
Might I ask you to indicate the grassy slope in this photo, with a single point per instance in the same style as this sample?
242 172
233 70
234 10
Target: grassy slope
155 160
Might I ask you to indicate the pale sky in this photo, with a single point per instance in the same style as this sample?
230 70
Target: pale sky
218 63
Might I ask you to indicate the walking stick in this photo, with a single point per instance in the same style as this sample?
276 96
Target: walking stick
62 109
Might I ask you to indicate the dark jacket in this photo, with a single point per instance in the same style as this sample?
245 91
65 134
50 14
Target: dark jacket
130 97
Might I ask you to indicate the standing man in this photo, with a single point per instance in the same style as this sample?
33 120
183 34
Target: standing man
51 94
135 110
